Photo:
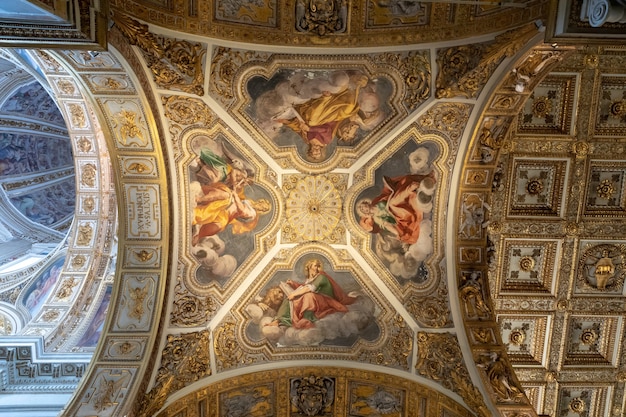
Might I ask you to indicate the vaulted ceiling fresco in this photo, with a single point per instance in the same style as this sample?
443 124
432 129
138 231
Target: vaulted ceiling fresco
429 226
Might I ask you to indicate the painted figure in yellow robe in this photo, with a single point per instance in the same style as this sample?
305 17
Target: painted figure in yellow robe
223 200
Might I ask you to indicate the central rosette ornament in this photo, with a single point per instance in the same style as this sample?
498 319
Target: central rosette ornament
313 207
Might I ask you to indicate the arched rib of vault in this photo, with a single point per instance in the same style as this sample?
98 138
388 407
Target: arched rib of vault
81 284
473 251
122 357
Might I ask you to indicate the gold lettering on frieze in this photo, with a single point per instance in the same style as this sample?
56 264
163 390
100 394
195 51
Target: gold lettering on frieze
144 212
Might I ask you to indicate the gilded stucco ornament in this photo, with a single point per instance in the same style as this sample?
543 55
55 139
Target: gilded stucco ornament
88 175
84 145
66 289
50 315
78 261
464 70
432 310
440 359
448 119
77 116
67 87
312 395
500 378
473 295
314 208
225 64
416 71
525 75
184 360
85 233
127 123
398 347
175 64
187 110
137 297
321 17
228 351
602 266
189 309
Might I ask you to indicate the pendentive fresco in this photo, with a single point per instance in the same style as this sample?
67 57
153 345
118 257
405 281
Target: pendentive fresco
226 205
310 305
398 211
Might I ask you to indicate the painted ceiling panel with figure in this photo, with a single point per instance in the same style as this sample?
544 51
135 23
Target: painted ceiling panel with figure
324 110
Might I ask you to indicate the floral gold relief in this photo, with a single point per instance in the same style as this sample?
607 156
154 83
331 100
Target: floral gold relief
314 208
175 64
398 349
184 360
228 351
189 309
187 110
464 70
441 360
416 71
128 129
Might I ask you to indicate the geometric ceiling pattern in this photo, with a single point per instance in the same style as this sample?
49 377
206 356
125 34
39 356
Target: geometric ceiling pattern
322 208
556 227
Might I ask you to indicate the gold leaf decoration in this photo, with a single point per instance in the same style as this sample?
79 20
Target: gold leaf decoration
430 311
175 64
187 111
225 64
184 360
464 70
189 309
137 33
440 359
228 350
398 348
416 71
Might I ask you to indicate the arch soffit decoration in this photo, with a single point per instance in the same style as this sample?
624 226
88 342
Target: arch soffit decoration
109 118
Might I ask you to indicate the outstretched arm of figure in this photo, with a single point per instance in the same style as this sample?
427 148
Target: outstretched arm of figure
213 194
